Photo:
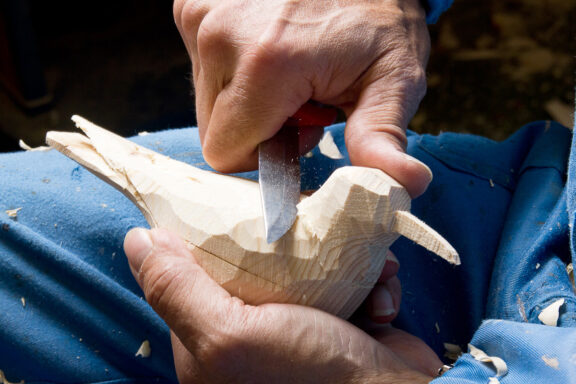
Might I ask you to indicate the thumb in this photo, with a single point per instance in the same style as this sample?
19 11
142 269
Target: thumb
175 286
376 135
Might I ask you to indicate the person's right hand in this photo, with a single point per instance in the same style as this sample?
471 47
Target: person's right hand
255 62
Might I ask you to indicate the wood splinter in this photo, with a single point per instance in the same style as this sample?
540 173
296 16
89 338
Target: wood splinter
330 258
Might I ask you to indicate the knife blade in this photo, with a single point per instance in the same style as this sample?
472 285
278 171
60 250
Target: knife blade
279 168
279 177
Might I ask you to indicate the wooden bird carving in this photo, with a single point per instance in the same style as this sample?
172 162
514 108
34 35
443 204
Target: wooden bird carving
330 258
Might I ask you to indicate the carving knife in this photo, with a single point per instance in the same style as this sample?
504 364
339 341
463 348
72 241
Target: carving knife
279 168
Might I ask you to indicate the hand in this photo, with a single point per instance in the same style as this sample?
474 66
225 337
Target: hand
383 303
217 338
255 62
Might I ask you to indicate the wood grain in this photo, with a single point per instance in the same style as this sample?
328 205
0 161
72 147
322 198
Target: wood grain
330 258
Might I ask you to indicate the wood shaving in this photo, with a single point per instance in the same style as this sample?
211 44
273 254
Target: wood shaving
498 364
144 350
23 301
550 314
328 147
26 147
13 213
551 362
570 272
4 380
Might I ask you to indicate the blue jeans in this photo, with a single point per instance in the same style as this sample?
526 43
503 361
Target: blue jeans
70 310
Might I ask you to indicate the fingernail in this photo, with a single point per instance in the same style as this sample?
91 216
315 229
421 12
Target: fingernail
392 257
138 245
382 304
424 166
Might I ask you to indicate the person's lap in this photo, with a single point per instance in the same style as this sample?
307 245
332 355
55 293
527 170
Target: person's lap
72 312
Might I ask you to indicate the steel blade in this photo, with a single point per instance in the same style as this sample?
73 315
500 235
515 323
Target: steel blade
279 177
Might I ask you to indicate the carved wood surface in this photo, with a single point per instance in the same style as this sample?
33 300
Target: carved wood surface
330 258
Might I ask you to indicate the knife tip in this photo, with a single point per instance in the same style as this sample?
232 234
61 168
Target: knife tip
272 236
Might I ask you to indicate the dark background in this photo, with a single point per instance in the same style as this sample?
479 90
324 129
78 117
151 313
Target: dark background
495 65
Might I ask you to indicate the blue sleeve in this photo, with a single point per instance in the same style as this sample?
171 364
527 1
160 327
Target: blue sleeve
434 8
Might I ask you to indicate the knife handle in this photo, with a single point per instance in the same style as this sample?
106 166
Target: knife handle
313 114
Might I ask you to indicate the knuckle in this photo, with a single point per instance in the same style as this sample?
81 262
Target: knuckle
232 342
213 35
271 53
407 76
190 14
417 81
217 159
177 7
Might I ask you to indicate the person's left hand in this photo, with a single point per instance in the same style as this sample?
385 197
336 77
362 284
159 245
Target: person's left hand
217 338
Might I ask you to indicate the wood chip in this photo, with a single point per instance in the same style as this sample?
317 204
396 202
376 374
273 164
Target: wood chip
144 350
551 362
328 147
26 147
13 213
498 364
570 272
550 314
4 380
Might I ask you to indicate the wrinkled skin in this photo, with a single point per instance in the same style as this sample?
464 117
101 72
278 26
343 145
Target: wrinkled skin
255 62
217 338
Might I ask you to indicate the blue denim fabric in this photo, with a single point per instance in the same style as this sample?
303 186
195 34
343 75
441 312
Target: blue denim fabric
529 272
434 8
71 311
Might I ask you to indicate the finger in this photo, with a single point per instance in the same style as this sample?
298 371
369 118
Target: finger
390 269
193 305
376 127
187 368
214 54
253 106
384 301
188 16
411 350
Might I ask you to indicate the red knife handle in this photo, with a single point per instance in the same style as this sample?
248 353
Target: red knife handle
313 114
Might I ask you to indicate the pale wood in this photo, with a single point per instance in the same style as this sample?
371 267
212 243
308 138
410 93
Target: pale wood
330 258
408 225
